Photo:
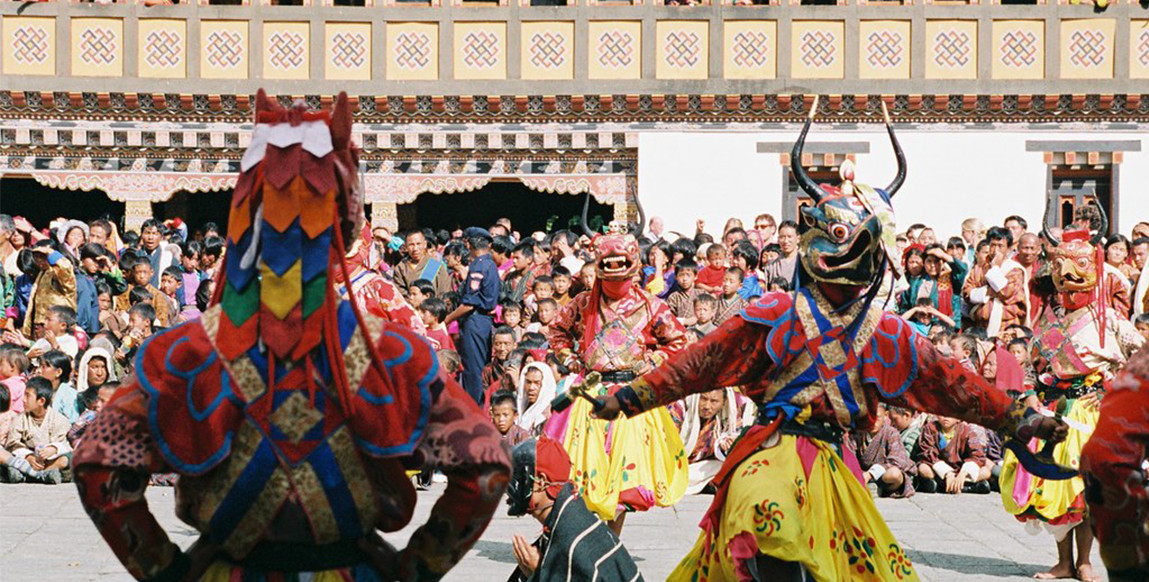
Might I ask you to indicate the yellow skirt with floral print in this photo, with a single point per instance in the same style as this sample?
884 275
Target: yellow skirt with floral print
632 464
1058 504
826 522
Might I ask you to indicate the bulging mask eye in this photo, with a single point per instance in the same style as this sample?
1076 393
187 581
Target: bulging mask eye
839 231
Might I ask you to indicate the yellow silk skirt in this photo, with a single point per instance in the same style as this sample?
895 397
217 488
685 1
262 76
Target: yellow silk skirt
827 523
629 463
1057 503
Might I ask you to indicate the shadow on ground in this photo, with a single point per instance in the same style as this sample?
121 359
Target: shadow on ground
964 564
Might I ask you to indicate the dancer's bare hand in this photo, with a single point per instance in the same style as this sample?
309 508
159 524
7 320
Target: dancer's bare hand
610 409
525 554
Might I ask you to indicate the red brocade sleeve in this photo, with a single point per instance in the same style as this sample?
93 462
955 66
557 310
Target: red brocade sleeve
1114 477
113 463
463 444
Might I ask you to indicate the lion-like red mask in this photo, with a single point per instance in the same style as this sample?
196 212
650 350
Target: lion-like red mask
616 257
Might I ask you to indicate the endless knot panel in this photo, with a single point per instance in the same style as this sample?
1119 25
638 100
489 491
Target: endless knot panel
98 46
952 49
1087 48
1143 48
413 50
224 49
819 49
1019 49
884 49
481 50
164 49
350 50
30 45
548 49
682 49
751 49
616 49
288 50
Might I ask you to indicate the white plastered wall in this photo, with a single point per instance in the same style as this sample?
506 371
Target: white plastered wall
954 173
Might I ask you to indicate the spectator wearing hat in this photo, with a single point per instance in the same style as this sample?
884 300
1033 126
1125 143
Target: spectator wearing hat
55 284
576 544
479 297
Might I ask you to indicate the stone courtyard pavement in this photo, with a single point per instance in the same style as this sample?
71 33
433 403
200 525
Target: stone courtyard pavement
45 536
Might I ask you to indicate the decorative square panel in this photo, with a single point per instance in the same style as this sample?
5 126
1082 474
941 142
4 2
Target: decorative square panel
750 49
1018 49
951 49
162 48
1087 48
615 49
286 50
480 50
348 48
412 51
682 49
29 45
884 49
1139 49
547 50
223 50
97 47
817 49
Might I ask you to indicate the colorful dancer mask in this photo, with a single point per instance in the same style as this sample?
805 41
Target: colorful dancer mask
849 232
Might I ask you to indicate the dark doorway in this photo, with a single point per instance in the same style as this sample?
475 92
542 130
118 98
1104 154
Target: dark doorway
23 196
196 209
528 210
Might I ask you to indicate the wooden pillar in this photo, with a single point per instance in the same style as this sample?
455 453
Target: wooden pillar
135 213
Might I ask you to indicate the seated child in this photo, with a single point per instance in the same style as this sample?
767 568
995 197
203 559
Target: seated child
548 310
14 363
433 311
37 447
1142 325
884 458
731 302
504 415
576 544
92 407
951 456
710 278
681 300
561 279
420 290
56 367
513 318
705 307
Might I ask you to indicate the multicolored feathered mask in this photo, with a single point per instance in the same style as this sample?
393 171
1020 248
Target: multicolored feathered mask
296 202
849 232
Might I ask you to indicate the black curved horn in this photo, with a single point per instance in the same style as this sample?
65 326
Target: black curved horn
808 185
898 153
1049 221
585 208
1103 227
641 215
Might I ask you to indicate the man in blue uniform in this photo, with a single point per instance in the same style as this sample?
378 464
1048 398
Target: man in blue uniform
480 295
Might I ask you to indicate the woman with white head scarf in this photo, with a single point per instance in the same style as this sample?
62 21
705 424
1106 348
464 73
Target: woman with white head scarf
710 423
533 400
91 375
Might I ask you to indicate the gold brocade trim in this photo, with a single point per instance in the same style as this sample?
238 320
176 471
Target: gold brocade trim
799 365
314 502
806 316
355 474
210 322
253 526
246 378
215 486
832 353
356 359
835 214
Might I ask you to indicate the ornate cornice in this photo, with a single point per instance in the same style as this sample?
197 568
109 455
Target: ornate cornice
741 108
